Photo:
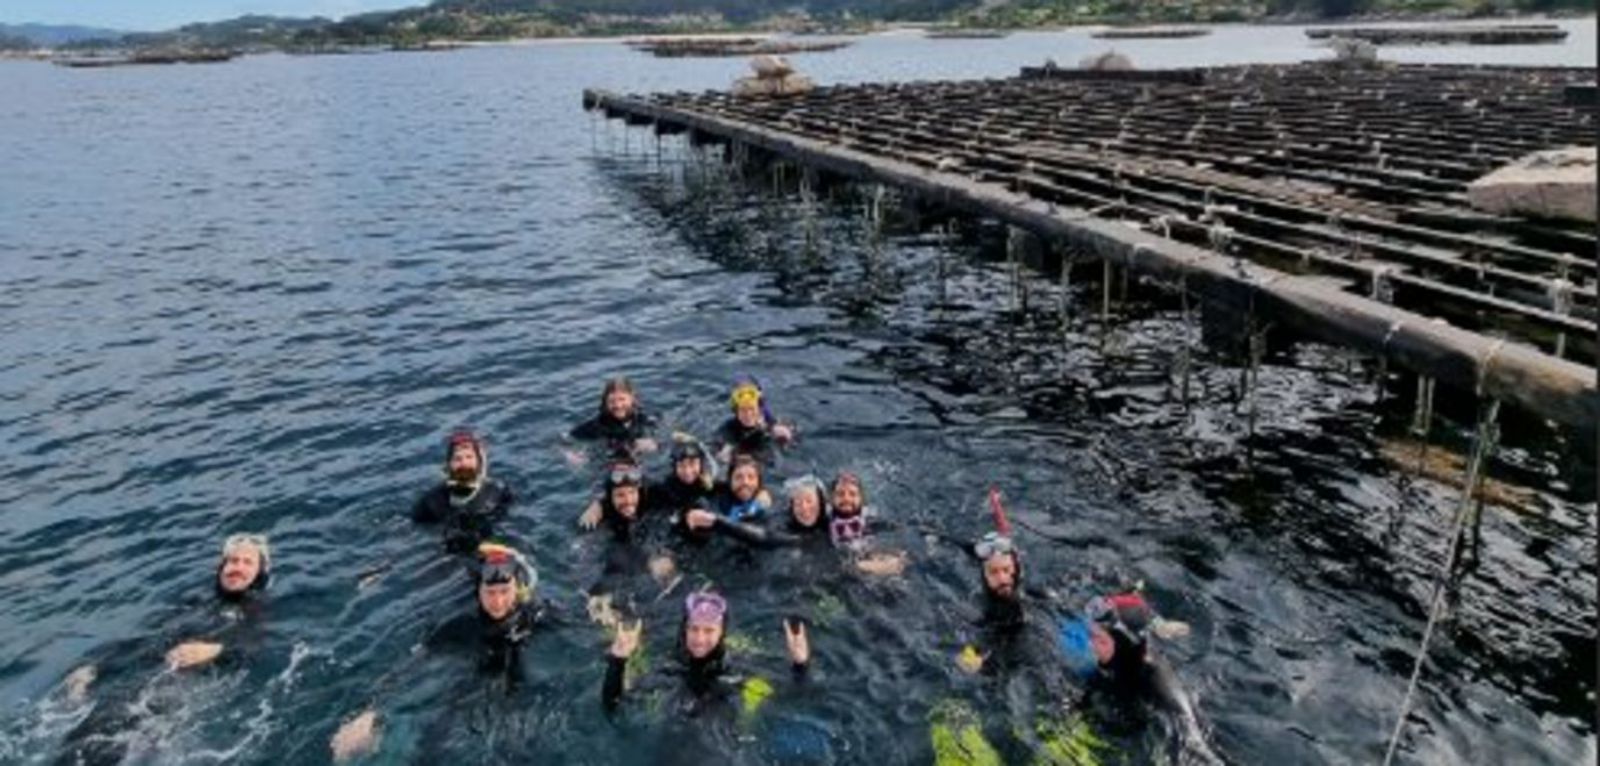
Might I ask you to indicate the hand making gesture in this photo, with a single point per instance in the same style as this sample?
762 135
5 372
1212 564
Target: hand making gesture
627 640
794 632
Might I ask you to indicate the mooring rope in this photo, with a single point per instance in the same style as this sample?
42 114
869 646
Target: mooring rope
1483 444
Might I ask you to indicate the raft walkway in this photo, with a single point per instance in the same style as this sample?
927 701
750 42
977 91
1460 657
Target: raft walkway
1329 200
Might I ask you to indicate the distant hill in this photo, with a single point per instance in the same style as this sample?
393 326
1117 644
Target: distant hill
51 35
507 19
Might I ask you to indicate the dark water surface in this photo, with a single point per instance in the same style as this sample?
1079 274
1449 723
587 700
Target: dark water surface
255 297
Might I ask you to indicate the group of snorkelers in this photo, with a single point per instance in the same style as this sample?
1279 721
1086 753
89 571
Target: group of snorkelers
709 492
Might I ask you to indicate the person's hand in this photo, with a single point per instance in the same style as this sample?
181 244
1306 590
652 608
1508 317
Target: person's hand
191 653
1169 629
356 737
644 446
627 640
575 458
882 564
700 518
783 433
764 499
78 681
969 660
794 632
591 516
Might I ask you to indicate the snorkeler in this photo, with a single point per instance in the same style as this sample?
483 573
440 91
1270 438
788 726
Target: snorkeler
689 485
621 426
230 635
701 656
1111 647
751 430
621 503
742 498
809 521
507 613
468 503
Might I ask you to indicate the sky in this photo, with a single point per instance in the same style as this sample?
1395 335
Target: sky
155 15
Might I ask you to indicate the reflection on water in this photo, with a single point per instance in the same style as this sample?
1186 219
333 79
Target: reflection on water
255 297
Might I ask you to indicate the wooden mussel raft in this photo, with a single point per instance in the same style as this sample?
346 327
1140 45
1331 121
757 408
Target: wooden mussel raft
1331 201
708 47
1150 33
1500 34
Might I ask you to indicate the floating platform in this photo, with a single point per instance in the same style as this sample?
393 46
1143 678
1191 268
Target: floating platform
1150 33
1325 200
1502 34
141 58
965 33
724 47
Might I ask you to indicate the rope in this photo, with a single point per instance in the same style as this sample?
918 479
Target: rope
1483 443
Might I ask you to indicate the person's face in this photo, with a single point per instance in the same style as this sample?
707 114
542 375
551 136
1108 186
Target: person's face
497 599
619 404
749 415
1000 574
626 500
745 482
239 569
687 469
805 507
701 639
464 461
847 497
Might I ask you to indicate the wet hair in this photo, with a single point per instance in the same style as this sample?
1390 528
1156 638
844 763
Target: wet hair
850 477
808 483
462 436
741 459
263 575
619 383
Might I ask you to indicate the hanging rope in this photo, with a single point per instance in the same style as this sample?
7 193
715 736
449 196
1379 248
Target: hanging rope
1483 443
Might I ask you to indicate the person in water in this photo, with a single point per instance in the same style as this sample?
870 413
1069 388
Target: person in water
808 523
621 426
621 504
690 485
701 656
468 504
226 637
1111 647
507 613
742 500
751 429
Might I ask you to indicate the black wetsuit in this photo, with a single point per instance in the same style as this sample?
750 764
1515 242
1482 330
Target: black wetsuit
791 534
673 496
466 523
707 686
128 670
616 435
497 643
755 441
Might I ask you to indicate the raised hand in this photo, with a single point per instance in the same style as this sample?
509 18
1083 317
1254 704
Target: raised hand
627 640
191 653
794 633
591 516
